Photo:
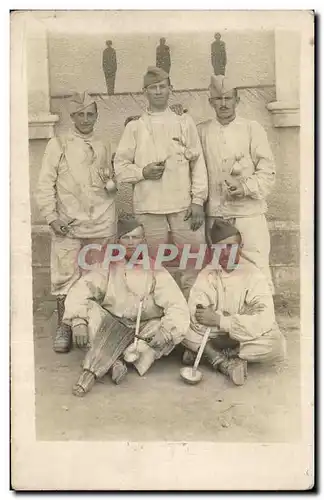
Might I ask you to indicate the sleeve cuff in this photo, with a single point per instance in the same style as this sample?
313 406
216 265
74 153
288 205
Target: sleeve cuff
78 321
168 337
225 323
245 188
198 201
140 174
51 218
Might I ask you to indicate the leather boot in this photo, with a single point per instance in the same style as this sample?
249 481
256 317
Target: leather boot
84 384
63 336
228 363
118 371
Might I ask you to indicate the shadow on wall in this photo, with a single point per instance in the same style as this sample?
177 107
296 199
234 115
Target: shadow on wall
75 61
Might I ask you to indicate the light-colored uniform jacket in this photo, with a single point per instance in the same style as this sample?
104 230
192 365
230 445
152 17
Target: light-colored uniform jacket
119 291
72 184
241 296
241 147
151 139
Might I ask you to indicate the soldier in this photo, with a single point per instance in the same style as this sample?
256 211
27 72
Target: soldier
104 306
234 300
218 55
160 154
109 66
74 196
241 172
163 58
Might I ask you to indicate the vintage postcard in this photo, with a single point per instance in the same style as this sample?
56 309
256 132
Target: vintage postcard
162 169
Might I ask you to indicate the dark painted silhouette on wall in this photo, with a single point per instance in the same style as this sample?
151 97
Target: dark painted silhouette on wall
109 66
163 57
218 55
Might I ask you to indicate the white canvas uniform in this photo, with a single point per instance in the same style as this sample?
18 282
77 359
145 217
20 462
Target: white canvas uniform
119 291
71 188
241 150
160 205
243 299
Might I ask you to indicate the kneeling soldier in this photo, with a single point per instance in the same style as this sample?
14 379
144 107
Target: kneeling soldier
238 307
103 309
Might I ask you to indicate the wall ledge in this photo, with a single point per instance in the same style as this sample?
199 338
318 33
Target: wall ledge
284 113
41 125
274 225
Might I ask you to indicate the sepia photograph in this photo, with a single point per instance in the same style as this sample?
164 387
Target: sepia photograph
162 248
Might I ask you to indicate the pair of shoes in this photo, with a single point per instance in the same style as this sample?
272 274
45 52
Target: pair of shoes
118 371
63 339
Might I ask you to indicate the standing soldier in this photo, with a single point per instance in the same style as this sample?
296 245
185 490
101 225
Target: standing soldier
163 57
218 55
160 154
241 172
109 66
76 198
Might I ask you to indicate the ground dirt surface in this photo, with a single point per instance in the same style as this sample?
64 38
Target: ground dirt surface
160 406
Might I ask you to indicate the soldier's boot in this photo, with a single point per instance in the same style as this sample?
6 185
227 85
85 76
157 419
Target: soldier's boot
63 335
118 371
84 384
233 367
234 353
188 358
228 363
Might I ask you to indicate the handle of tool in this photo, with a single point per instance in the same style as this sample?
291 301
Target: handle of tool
201 349
138 321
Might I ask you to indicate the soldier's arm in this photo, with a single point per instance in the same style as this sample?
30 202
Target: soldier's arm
258 315
91 287
260 183
46 188
202 292
126 169
168 296
199 179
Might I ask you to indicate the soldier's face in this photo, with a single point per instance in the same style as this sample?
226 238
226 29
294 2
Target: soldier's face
230 252
85 120
130 240
158 94
225 105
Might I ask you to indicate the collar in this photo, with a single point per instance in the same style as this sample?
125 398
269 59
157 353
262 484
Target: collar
220 125
85 137
158 113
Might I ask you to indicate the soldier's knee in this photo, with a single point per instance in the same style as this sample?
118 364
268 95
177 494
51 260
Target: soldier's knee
190 344
270 350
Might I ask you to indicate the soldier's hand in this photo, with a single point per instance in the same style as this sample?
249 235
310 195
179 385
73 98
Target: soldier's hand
196 213
154 171
80 335
59 227
207 316
237 192
160 339
235 188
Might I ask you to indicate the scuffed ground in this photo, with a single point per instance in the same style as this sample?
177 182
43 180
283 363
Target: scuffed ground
159 406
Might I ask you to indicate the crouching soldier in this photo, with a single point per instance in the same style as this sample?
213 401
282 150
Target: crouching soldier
105 306
77 198
235 302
